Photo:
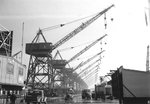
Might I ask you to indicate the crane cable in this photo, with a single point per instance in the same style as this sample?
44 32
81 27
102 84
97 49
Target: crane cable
68 48
64 49
61 25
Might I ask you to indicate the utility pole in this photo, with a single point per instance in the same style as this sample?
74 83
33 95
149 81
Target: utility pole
147 59
22 41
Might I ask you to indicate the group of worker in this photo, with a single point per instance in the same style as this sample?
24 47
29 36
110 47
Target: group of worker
11 97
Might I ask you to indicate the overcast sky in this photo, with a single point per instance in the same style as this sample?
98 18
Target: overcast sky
128 35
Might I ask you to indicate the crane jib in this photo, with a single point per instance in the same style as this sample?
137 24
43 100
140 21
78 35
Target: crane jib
86 48
83 63
80 28
70 35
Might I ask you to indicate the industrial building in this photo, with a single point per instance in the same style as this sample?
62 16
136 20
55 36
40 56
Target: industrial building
12 72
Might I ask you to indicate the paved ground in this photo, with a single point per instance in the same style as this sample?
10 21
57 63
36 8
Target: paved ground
87 102
76 100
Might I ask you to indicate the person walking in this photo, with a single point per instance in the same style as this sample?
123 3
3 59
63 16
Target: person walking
13 98
8 97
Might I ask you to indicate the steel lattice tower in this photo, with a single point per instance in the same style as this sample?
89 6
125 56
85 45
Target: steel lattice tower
43 71
6 38
40 71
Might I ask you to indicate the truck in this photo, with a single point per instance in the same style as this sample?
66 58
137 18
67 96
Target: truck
86 94
108 92
131 86
99 91
102 91
35 97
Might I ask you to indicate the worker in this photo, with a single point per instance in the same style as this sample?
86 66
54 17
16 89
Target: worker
7 97
13 98
68 97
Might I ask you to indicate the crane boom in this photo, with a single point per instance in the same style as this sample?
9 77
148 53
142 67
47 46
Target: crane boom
87 72
86 48
91 73
89 66
88 60
80 28
78 66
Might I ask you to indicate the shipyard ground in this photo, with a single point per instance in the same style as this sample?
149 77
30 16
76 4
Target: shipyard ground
76 100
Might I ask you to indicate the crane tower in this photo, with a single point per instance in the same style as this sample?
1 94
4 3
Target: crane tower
41 69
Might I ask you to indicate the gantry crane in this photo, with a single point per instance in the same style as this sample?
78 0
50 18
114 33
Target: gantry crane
81 52
84 50
67 77
41 73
